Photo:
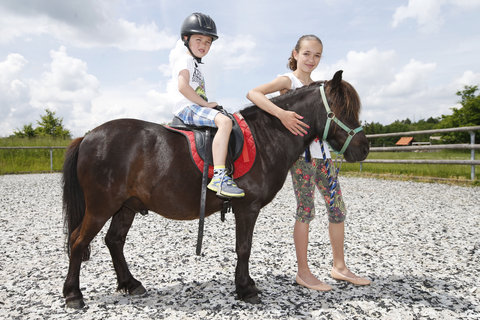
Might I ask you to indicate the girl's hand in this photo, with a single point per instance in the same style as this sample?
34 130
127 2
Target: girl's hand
292 121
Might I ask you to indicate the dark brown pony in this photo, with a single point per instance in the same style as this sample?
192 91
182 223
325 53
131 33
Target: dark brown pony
126 165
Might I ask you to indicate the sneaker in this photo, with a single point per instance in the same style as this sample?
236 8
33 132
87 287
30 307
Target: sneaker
228 188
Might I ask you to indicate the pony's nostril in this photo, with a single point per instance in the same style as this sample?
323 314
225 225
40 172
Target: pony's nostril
366 150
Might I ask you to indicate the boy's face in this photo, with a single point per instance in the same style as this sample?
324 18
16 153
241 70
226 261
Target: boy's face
200 45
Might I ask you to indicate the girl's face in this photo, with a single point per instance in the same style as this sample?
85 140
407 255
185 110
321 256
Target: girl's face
309 55
200 45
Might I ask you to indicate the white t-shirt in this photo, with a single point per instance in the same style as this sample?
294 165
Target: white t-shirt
196 81
315 148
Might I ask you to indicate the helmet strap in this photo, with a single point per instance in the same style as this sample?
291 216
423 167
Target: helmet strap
187 44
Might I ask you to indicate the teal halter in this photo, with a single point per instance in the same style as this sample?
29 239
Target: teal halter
330 117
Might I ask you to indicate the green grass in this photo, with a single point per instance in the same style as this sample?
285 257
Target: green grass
30 160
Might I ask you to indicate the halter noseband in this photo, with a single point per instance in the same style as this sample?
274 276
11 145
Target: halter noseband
330 117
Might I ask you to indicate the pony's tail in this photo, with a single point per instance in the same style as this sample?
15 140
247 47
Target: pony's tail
73 199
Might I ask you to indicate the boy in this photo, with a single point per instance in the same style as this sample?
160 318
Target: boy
198 32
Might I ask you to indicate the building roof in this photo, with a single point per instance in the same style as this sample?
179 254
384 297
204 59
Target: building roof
404 141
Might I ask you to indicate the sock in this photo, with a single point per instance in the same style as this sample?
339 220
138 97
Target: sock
218 170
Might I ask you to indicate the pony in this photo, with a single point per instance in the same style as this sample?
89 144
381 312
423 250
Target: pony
125 166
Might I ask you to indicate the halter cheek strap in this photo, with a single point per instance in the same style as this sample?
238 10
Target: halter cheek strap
330 117
332 170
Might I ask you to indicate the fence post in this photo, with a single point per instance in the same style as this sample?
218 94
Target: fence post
472 154
51 159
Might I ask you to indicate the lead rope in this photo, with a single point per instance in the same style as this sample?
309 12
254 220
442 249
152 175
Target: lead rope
332 178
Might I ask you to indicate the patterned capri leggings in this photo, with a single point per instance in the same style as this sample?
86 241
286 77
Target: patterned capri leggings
305 177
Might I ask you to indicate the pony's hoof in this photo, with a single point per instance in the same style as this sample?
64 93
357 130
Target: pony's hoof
138 291
253 300
75 303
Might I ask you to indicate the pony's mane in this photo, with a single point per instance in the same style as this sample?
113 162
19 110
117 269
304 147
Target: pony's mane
344 101
282 99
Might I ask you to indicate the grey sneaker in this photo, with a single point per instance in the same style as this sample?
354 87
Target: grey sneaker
228 187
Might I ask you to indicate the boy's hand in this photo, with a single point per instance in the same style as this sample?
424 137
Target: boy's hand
212 105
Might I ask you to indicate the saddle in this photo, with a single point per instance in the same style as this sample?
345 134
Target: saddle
240 157
241 146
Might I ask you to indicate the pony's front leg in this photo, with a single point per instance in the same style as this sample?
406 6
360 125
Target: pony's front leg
244 284
115 240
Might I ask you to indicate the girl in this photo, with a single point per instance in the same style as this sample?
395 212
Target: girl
306 175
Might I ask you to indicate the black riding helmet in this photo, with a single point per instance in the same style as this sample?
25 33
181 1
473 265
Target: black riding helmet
198 23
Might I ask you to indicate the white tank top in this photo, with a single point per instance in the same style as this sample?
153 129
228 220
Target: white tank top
315 148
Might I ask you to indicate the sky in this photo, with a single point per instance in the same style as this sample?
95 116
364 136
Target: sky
91 61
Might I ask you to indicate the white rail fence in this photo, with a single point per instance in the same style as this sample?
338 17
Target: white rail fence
51 152
472 146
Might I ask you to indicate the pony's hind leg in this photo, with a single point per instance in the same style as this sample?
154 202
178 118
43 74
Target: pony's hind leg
80 239
115 240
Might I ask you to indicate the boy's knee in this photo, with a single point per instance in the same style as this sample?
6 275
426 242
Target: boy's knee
222 121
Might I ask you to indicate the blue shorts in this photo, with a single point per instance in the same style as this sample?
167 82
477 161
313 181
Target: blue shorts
198 116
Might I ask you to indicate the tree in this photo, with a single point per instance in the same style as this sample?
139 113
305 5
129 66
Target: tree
372 127
467 115
49 125
433 120
26 132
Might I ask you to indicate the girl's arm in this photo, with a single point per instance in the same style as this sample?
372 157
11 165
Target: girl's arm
290 119
188 92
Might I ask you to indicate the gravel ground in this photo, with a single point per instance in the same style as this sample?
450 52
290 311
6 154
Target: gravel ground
418 242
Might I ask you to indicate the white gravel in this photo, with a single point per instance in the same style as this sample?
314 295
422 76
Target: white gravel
418 242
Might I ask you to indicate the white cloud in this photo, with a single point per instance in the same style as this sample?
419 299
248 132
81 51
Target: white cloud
466 4
391 91
426 12
393 84
133 100
429 13
14 94
233 52
76 95
468 78
11 66
67 79
410 80
153 102
66 88
373 66
86 23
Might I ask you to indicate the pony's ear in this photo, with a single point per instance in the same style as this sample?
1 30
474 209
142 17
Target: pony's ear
337 78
